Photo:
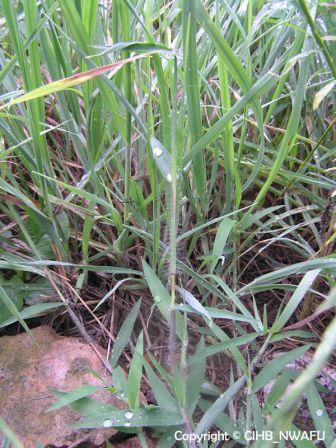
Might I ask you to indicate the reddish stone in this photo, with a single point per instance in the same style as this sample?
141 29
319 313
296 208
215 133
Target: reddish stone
29 368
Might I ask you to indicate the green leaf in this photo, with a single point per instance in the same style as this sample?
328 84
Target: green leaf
277 392
229 58
321 94
236 301
196 376
320 415
25 200
218 406
7 432
32 311
162 159
273 368
132 419
74 395
85 406
295 300
192 91
214 313
10 306
71 81
257 414
236 342
163 397
124 334
161 296
12 287
222 235
135 374
193 303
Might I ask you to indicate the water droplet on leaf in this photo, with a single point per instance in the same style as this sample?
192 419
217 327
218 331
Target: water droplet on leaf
128 415
157 151
319 412
127 424
169 178
107 424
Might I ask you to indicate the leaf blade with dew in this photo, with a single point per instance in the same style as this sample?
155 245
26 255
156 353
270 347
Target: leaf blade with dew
319 414
140 418
308 375
162 159
277 391
124 334
161 296
193 302
218 406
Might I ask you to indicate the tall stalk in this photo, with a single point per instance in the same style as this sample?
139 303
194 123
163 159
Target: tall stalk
174 218
127 86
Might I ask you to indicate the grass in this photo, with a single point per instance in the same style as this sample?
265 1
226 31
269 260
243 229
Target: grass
181 153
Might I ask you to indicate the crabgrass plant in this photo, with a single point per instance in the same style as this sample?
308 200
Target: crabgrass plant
166 178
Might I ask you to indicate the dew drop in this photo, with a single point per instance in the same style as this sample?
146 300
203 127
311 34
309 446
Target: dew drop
107 424
157 299
169 178
128 415
127 424
319 412
157 151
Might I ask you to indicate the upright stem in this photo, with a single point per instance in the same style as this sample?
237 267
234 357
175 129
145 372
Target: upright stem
127 84
174 217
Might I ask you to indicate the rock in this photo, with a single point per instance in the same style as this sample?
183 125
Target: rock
29 368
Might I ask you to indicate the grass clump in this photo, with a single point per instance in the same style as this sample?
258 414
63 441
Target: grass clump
180 153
